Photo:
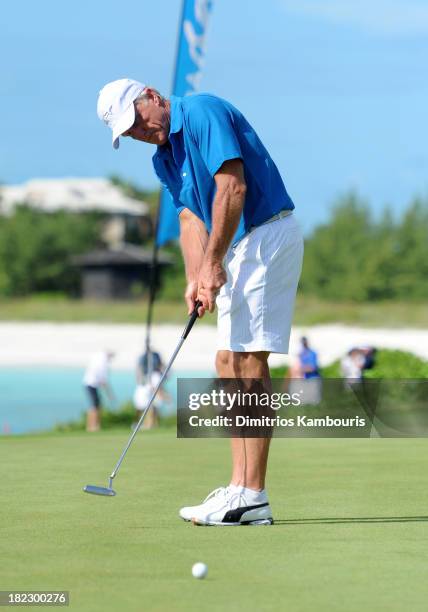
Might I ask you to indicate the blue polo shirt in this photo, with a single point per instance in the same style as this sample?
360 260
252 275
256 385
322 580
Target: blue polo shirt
309 359
205 132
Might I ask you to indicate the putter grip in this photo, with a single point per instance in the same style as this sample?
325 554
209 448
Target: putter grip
192 320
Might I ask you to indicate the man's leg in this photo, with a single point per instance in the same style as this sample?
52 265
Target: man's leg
249 455
93 420
93 416
244 501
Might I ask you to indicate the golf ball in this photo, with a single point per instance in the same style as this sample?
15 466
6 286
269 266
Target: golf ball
199 570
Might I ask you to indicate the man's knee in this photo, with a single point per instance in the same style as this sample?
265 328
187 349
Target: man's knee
249 365
241 365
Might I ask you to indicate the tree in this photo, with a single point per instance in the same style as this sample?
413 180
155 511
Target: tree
411 253
36 249
335 252
353 257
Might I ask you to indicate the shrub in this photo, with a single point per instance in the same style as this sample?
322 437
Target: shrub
389 364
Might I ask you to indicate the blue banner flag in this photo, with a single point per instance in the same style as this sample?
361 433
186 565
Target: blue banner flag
188 72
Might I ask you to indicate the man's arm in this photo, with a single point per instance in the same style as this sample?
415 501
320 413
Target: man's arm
109 390
227 208
193 240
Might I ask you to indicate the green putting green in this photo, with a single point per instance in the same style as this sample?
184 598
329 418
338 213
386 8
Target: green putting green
350 534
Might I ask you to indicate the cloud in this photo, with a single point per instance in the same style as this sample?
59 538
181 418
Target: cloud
385 17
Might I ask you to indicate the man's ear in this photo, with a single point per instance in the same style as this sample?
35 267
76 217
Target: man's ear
153 95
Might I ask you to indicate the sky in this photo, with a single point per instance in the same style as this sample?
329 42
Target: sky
336 89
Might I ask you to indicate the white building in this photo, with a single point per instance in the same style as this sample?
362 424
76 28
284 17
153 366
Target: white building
79 195
72 194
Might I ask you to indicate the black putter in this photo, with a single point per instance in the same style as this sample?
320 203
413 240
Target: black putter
109 491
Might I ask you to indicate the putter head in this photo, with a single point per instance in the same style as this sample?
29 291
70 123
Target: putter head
94 490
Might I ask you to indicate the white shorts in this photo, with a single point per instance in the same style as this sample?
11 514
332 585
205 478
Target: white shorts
143 393
142 396
255 306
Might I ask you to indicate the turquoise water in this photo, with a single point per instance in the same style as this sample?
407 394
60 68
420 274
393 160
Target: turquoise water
36 398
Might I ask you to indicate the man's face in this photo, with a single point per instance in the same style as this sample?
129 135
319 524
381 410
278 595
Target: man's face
152 121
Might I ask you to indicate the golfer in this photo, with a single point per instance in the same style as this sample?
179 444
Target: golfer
241 245
96 377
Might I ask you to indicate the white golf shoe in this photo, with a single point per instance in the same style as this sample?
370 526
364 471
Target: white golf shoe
227 506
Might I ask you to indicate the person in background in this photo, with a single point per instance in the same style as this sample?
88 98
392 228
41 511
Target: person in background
369 355
308 369
308 360
149 373
96 377
352 366
148 361
356 362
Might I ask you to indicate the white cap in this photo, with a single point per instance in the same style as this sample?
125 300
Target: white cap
116 105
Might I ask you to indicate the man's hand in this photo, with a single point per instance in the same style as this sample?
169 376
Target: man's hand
110 393
212 277
190 295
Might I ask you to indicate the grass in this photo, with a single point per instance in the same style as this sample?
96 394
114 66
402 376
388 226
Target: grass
351 528
75 311
309 311
313 311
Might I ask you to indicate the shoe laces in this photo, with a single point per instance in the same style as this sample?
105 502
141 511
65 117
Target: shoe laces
235 499
230 497
216 493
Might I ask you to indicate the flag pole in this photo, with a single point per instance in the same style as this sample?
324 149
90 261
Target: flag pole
154 263
153 281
